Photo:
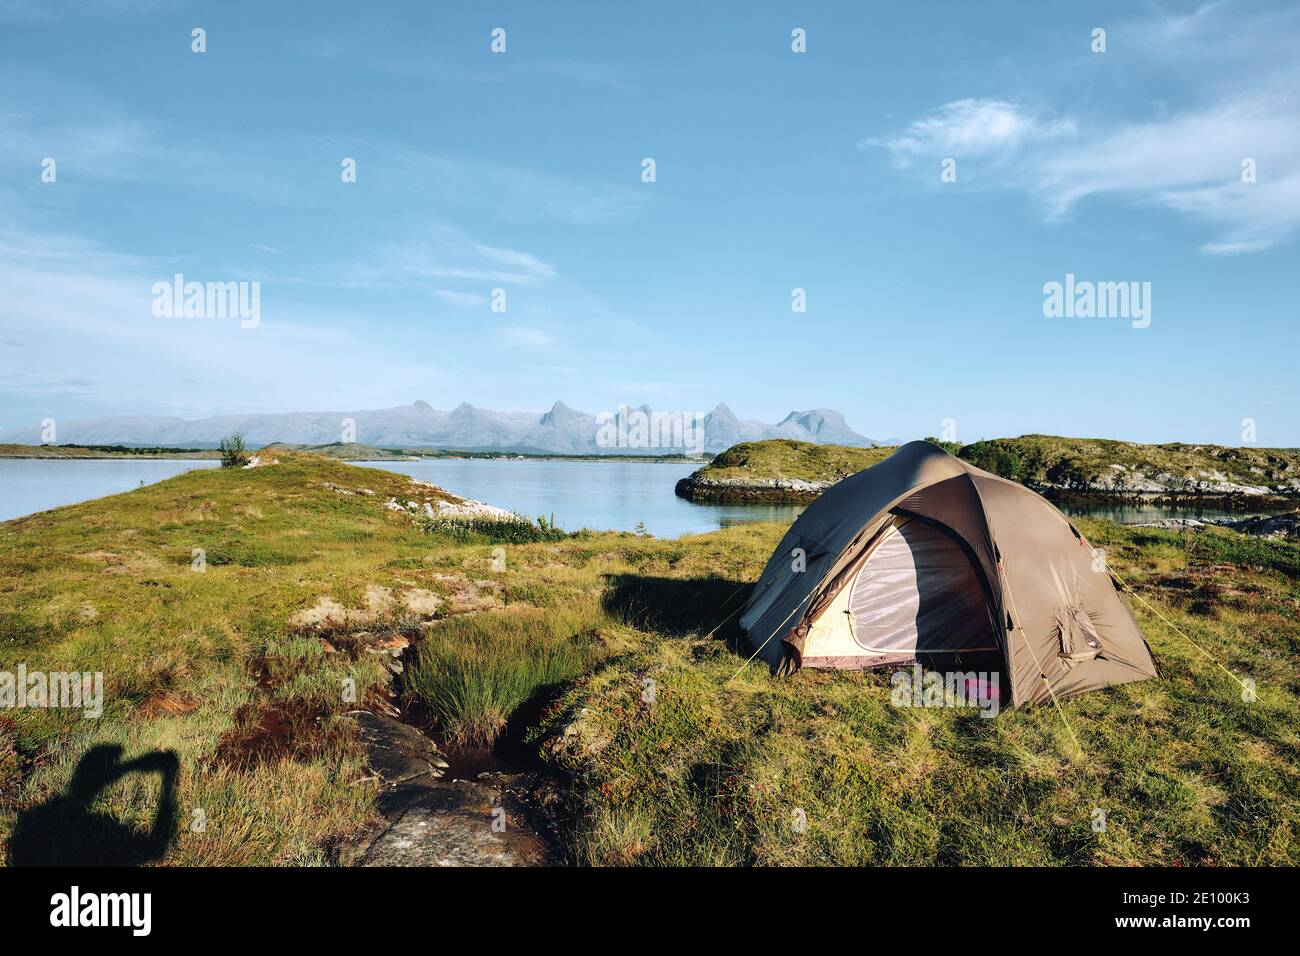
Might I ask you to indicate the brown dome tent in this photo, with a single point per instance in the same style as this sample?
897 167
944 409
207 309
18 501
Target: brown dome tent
924 557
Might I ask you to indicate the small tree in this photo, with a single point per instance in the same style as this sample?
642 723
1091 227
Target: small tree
233 452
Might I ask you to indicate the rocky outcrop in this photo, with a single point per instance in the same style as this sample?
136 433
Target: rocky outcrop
699 487
1119 481
1264 526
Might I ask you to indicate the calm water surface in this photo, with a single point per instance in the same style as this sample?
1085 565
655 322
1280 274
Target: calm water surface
28 485
580 494
588 494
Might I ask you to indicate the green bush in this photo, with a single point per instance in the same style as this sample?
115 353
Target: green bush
995 458
951 447
233 452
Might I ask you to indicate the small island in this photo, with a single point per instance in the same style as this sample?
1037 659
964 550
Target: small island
1085 468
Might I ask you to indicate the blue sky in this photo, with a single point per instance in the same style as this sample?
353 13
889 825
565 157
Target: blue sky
775 170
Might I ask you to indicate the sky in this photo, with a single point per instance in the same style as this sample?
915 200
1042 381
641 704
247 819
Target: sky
774 170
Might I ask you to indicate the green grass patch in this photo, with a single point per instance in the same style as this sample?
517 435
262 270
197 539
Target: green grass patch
472 673
785 458
515 529
660 756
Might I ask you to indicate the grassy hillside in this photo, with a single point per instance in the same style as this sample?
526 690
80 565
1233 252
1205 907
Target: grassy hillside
1051 461
784 458
776 470
595 650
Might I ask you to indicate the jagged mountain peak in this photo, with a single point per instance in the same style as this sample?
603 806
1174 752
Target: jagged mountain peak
562 430
561 413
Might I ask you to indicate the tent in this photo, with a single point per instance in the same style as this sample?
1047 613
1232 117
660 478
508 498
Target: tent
925 558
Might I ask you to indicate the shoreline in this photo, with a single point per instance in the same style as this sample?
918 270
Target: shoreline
105 453
799 492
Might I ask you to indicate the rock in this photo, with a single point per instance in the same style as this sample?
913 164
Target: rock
792 490
397 752
467 507
460 823
1264 526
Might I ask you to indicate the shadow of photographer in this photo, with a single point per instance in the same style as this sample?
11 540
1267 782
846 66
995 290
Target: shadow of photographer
65 831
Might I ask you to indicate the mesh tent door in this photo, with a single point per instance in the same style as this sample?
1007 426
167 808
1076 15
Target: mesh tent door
918 593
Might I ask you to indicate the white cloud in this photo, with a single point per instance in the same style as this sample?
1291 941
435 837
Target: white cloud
79 309
446 253
1188 161
529 263
971 128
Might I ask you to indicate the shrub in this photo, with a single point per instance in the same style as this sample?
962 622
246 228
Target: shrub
951 447
993 457
233 452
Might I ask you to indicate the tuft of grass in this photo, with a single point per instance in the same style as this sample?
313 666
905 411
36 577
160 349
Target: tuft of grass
515 529
472 673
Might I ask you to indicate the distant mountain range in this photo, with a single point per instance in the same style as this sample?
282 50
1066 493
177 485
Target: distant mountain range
562 430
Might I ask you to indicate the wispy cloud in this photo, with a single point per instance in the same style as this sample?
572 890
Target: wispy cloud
1190 161
80 309
971 128
446 253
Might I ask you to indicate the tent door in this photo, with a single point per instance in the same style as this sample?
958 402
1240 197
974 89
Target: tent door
918 593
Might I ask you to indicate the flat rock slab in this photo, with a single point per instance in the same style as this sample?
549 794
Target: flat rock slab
429 821
452 823
396 751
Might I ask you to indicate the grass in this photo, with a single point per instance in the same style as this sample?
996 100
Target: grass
1043 460
491 529
596 649
820 769
472 673
785 458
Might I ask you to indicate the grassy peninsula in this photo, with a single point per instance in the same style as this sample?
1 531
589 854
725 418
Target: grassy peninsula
236 614
104 451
